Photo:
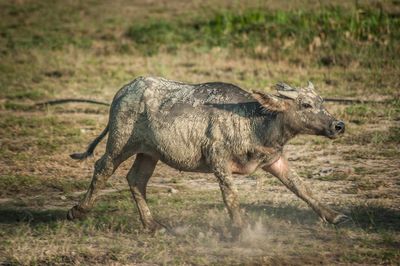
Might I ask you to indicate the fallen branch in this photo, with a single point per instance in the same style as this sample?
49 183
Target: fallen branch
352 101
71 100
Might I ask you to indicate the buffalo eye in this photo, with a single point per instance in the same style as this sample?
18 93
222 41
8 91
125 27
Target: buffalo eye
306 105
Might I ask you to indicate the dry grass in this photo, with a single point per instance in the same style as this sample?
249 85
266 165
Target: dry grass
81 50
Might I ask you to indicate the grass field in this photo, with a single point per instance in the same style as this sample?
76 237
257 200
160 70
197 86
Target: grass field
89 49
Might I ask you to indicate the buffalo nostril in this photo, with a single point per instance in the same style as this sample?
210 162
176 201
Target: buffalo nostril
339 127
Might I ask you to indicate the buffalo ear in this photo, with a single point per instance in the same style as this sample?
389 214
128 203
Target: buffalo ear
270 102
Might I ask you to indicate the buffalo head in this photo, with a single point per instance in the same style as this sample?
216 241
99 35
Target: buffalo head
303 110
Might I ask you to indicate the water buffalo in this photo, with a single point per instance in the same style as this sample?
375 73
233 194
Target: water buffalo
209 128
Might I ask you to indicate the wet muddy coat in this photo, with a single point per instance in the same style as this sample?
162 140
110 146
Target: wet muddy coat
189 127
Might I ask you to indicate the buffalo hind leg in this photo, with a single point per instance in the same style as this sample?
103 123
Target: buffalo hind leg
104 168
138 176
291 180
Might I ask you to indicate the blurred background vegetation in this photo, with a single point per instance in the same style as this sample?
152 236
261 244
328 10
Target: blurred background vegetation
332 34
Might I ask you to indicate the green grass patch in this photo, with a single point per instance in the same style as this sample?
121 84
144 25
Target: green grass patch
329 31
148 37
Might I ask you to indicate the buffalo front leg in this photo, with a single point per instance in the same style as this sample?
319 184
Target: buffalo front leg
138 176
104 168
292 180
230 197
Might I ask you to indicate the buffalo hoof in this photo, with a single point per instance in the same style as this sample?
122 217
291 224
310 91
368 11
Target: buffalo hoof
76 213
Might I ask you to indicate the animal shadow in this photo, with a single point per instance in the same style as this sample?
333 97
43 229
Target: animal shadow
288 213
12 215
375 218
370 218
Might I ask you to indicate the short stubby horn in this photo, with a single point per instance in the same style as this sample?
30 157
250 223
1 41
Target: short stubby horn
287 91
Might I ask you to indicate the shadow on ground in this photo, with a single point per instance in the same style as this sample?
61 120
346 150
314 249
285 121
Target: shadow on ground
376 218
11 215
372 218
289 213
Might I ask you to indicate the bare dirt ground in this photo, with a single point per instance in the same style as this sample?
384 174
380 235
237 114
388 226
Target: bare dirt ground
358 174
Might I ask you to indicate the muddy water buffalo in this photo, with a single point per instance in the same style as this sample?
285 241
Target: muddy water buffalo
210 128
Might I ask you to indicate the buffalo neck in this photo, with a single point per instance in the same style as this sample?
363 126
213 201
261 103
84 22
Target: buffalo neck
273 130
